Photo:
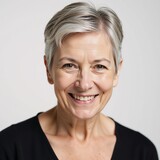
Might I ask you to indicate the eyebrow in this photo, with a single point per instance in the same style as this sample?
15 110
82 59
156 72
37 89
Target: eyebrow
67 58
102 59
95 61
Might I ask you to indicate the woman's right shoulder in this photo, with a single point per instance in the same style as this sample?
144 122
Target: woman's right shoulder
18 130
15 139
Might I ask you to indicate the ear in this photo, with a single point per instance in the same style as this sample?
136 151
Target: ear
49 77
116 77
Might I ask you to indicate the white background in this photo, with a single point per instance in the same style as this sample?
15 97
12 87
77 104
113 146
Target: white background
24 90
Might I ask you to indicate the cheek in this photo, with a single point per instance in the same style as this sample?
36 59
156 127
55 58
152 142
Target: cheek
105 82
63 80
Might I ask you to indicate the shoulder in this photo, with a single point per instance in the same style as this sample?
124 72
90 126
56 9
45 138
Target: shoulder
20 127
17 140
24 140
135 142
19 131
131 136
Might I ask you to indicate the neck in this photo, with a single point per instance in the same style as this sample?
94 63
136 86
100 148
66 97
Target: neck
79 129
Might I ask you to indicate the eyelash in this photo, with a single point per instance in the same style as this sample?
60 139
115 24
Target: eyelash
69 66
73 67
100 66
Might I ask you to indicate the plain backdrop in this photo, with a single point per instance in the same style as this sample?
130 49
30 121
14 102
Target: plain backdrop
24 90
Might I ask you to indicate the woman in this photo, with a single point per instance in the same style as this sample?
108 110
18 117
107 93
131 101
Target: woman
83 61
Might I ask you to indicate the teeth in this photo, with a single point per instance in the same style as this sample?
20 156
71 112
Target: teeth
83 98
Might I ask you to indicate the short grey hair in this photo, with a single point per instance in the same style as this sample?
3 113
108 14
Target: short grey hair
80 17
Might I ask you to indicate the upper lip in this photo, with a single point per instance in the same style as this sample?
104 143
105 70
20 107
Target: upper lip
82 95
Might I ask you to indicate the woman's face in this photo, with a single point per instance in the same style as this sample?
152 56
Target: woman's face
83 73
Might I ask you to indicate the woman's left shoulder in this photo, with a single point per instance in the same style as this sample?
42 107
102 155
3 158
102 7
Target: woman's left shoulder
130 134
135 141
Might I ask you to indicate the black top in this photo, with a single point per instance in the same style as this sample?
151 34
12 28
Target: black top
27 141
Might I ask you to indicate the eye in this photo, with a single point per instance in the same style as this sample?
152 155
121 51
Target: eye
99 67
70 67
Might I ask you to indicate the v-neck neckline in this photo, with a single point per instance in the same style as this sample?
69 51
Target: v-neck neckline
53 154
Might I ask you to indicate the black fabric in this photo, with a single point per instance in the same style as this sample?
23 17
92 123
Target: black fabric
26 141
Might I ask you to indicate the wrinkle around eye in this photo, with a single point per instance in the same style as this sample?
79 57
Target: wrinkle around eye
99 68
70 67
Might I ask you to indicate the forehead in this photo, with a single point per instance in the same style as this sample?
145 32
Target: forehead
88 40
91 44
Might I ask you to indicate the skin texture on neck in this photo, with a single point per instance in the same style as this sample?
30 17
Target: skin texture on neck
80 129
56 123
92 139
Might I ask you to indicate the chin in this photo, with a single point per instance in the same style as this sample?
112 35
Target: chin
85 114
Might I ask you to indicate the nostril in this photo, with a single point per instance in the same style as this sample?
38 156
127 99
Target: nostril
77 83
84 84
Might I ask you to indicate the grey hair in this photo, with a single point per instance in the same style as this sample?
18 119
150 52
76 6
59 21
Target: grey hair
83 17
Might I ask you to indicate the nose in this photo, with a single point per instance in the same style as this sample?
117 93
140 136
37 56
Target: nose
84 80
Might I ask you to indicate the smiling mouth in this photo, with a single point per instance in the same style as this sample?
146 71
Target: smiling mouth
82 97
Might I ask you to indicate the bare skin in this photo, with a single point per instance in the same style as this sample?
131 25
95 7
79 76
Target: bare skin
79 141
83 74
